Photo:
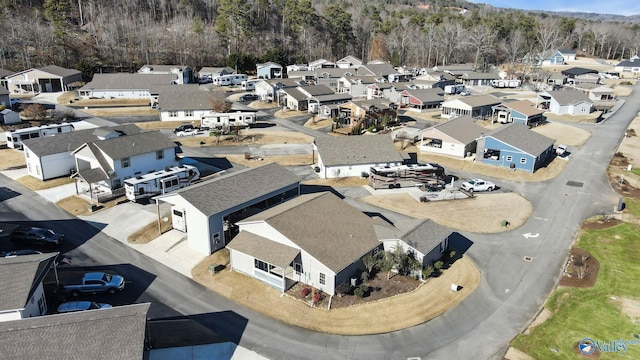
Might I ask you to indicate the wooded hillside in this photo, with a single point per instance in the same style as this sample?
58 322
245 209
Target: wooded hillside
122 35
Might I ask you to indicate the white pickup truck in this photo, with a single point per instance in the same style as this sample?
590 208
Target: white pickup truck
478 185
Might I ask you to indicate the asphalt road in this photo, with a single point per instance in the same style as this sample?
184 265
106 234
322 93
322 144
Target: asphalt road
510 293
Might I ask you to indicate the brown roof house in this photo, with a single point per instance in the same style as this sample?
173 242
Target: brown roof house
456 137
347 156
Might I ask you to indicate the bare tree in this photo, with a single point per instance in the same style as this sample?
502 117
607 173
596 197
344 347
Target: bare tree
480 39
548 34
514 47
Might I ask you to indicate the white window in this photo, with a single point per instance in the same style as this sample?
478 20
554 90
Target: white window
322 279
188 113
216 238
173 114
42 305
38 169
509 158
523 160
298 268
125 162
443 247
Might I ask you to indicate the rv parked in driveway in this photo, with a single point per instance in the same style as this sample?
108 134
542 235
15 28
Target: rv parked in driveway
160 182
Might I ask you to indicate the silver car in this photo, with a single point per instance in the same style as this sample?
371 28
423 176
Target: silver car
73 306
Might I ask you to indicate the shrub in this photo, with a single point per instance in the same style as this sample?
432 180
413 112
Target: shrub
343 288
452 254
625 83
364 288
358 292
364 276
305 291
317 296
438 265
428 271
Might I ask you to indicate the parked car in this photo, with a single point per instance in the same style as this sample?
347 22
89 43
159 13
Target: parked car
561 149
248 97
183 127
95 282
187 132
14 253
478 185
73 306
36 235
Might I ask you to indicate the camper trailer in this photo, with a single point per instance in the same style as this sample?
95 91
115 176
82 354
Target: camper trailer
220 120
160 182
14 138
249 85
231 79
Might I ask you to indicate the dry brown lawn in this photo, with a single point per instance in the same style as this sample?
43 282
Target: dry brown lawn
430 300
289 113
563 134
123 111
589 118
248 137
36 184
79 206
482 214
11 159
630 145
338 182
284 160
156 125
150 231
315 124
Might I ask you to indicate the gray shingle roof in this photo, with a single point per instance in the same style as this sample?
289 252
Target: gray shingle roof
104 334
629 63
337 234
66 142
569 97
264 249
463 129
294 93
338 72
332 97
314 90
127 81
480 75
4 73
216 70
480 100
183 97
520 137
426 235
364 149
379 69
4 91
219 194
163 68
19 276
136 144
59 71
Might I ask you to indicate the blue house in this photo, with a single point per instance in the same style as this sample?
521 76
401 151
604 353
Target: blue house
514 146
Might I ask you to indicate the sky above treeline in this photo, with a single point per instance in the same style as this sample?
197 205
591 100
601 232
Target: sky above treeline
618 7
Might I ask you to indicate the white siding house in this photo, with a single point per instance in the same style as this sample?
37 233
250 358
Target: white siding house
456 137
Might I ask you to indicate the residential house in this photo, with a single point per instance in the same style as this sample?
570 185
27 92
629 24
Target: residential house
568 54
454 69
21 287
383 70
556 79
328 111
319 95
188 103
349 61
8 116
124 86
51 157
51 78
348 156
321 64
426 239
421 100
293 99
433 79
306 75
550 58
476 106
596 92
514 146
208 211
297 67
628 66
362 114
472 78
356 86
455 137
585 79
389 91
269 70
184 74
102 334
3 78
572 102
520 111
276 248
214 72
103 165
267 90
330 76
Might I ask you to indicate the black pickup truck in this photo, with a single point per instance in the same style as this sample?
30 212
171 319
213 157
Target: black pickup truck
36 235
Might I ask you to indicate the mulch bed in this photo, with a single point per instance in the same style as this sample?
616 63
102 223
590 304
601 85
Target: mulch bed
570 275
379 288
601 223
622 187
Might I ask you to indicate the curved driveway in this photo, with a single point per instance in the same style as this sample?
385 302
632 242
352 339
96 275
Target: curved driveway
511 291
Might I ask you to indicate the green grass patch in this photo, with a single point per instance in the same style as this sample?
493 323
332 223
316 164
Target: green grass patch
579 313
632 206
635 171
